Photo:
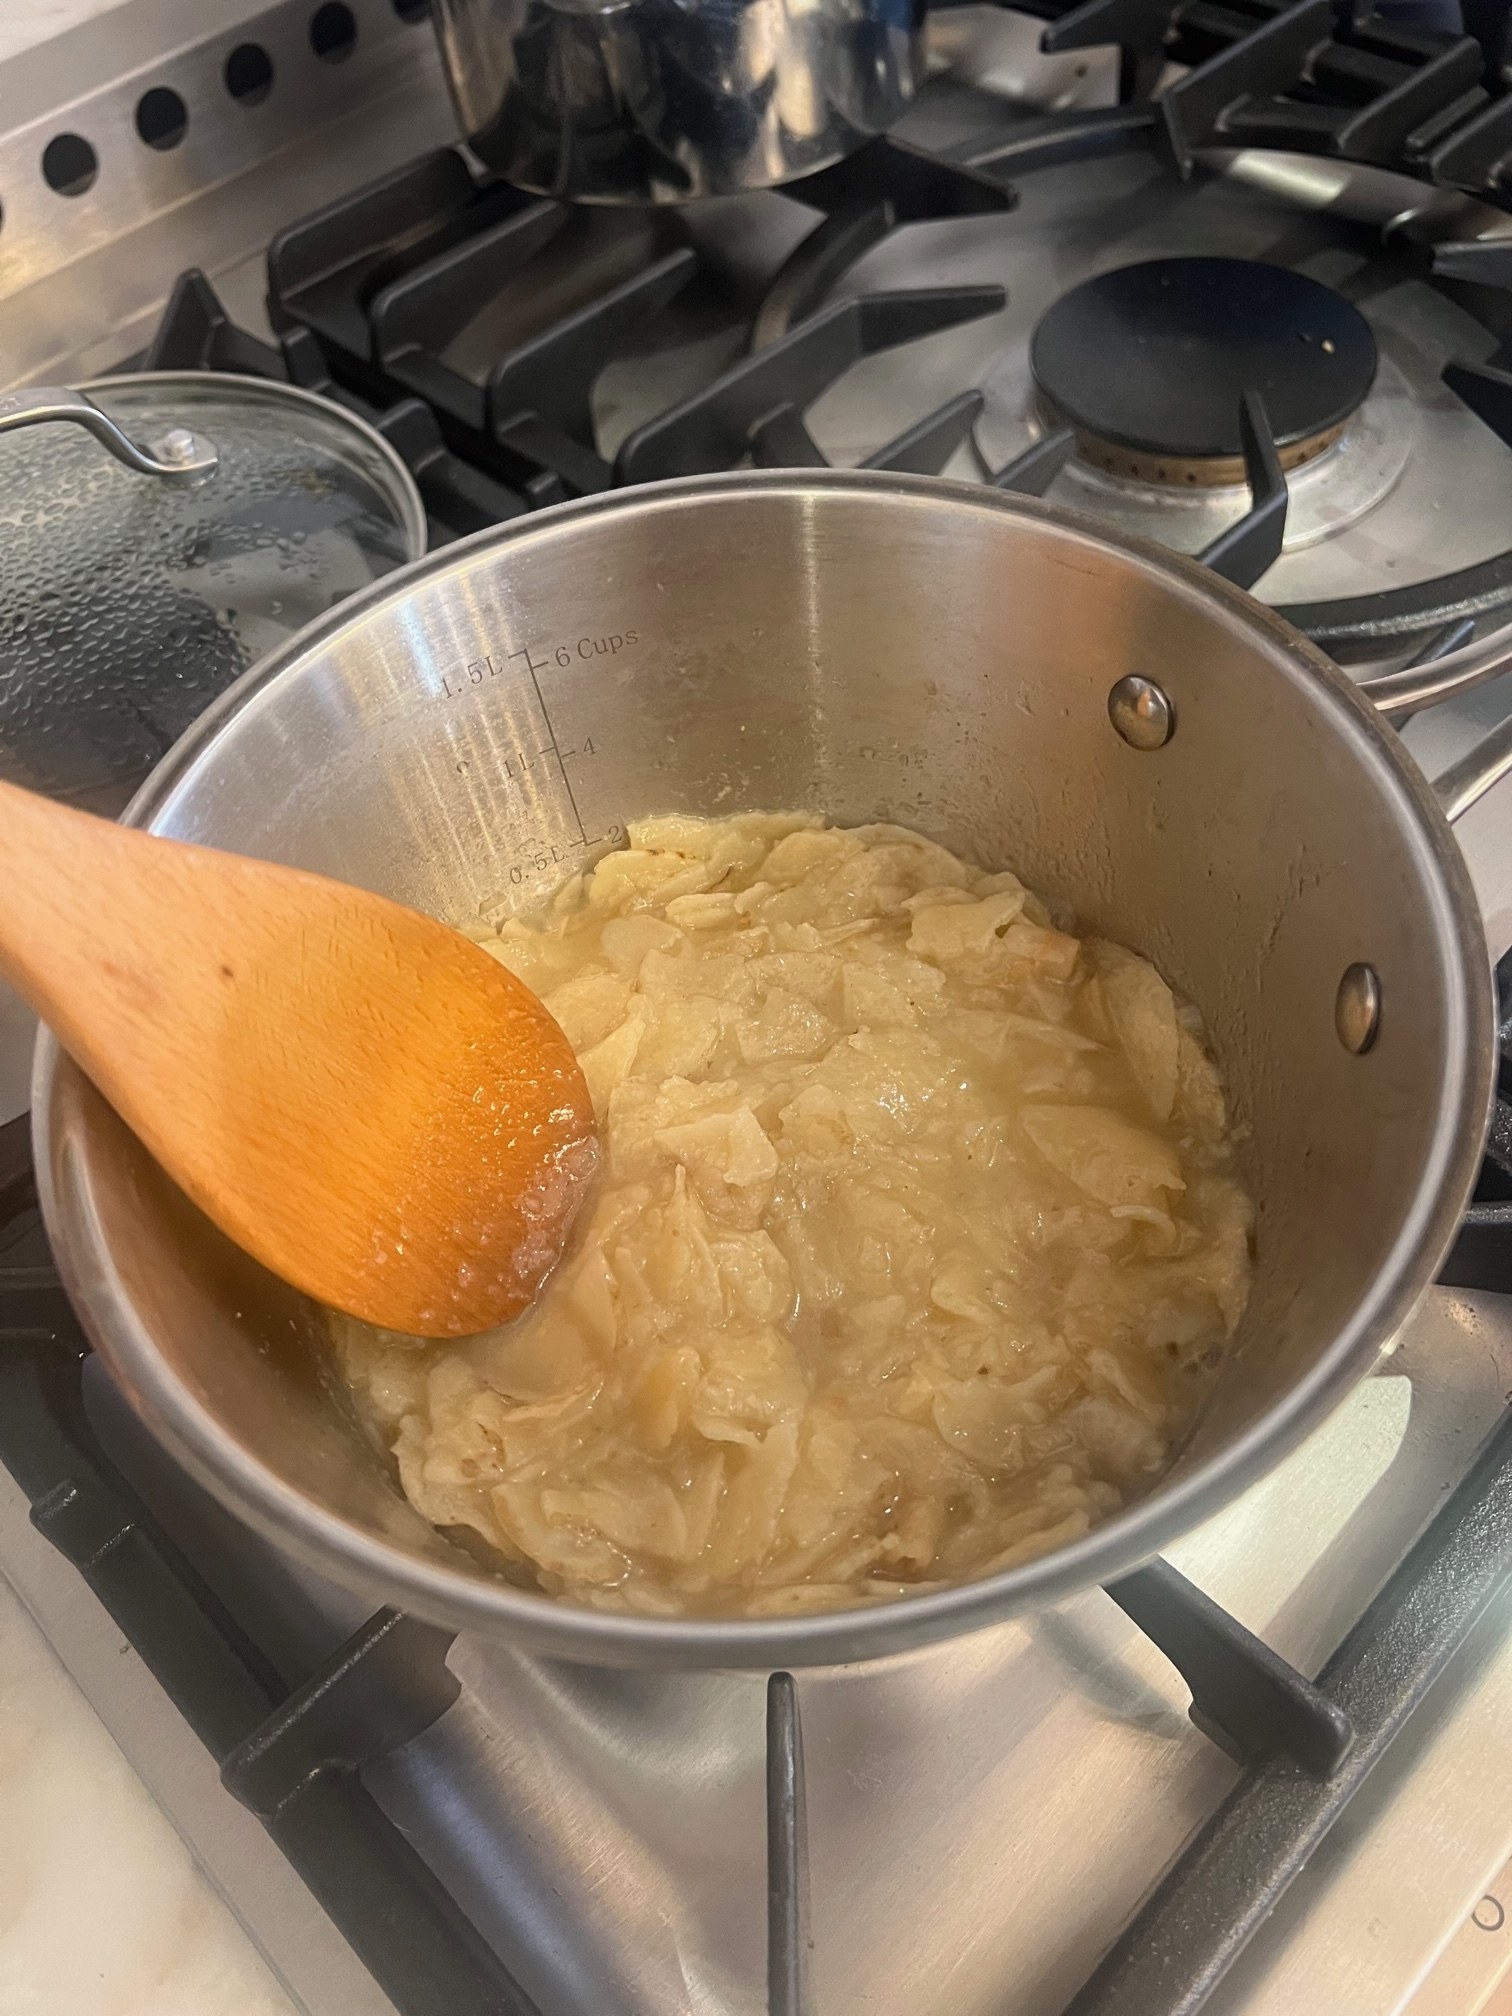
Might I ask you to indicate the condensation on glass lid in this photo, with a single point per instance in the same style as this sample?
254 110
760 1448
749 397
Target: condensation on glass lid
132 602
917 1240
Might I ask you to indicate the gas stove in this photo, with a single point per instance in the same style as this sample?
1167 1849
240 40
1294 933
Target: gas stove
1210 1787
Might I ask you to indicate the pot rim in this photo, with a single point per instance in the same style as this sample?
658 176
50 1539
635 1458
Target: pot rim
471 1601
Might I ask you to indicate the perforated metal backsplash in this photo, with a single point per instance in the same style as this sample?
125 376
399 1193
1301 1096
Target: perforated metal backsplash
168 133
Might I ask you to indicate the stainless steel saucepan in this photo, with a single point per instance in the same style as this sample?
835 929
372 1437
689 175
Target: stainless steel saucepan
659 101
1136 738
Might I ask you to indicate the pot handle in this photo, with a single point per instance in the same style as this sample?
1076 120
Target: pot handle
1397 694
181 455
1468 780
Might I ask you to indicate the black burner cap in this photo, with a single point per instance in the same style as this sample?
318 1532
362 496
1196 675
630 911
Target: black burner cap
1156 357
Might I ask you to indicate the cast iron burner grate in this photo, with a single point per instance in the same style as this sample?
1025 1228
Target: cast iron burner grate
470 322
294 1754
372 298
389 283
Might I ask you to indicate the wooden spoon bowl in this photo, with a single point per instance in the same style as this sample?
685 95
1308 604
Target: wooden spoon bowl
358 1095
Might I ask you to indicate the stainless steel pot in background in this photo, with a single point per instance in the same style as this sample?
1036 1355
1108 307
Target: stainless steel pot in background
657 101
1142 742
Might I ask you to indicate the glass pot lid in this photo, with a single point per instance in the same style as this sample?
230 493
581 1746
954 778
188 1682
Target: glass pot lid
181 527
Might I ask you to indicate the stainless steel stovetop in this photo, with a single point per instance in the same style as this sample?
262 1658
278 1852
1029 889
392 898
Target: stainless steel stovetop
981 1817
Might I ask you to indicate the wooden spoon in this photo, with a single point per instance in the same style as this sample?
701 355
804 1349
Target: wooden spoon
361 1097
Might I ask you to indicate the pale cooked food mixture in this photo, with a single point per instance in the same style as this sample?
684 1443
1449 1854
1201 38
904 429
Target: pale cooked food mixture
917 1232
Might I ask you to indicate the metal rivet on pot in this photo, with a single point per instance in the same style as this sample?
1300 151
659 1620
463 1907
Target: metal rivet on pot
1141 713
1357 1008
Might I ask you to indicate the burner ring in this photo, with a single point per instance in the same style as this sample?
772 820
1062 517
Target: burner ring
1207 472
1331 491
1150 362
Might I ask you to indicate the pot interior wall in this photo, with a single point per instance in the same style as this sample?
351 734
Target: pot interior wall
934 657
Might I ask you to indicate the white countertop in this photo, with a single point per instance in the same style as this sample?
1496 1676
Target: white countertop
103 1912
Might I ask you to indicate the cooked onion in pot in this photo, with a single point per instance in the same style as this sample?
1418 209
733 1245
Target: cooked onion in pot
918 1236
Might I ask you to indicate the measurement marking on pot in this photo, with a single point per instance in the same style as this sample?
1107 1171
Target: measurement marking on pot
518 763
479 671
533 860
533 669
476 672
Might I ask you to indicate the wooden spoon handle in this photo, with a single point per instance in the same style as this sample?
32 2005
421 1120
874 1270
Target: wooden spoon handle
91 909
